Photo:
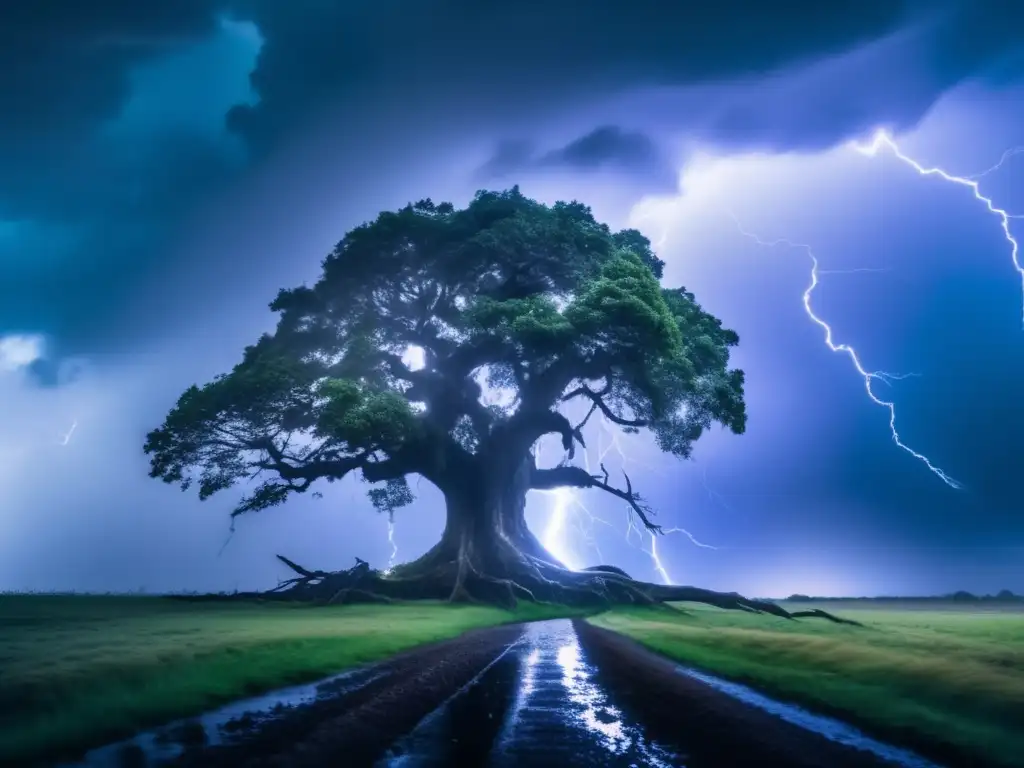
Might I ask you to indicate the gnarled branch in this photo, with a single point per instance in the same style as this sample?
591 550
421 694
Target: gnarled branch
597 398
298 478
578 477
527 427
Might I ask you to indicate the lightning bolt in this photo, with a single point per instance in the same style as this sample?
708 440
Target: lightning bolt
567 503
1007 155
66 437
712 493
882 140
869 377
391 541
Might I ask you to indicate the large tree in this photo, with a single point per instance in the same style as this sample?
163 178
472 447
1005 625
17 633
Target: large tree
542 303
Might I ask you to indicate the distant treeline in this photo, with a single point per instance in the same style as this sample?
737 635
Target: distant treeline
1003 596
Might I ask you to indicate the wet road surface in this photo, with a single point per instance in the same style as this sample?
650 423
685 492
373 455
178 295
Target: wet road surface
538 704
553 693
544 702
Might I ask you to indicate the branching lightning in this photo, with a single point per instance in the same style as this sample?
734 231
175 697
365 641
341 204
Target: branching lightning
883 140
869 377
566 499
1007 155
567 502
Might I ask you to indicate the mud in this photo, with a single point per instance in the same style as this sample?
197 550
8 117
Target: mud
717 728
354 728
555 693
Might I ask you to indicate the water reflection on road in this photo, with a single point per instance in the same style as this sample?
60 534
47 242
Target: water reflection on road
538 704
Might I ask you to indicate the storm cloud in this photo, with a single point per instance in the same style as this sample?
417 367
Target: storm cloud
119 124
630 154
167 165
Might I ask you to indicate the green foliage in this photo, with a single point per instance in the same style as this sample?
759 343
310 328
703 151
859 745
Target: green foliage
208 425
532 326
391 495
540 300
622 315
362 418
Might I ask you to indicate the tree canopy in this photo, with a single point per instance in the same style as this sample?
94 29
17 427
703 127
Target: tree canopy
541 302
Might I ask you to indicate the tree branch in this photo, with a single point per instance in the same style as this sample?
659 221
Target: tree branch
579 427
391 468
578 477
298 476
527 427
308 470
597 398
298 479
469 356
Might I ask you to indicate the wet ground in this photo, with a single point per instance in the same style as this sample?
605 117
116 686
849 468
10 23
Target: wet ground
554 693
538 704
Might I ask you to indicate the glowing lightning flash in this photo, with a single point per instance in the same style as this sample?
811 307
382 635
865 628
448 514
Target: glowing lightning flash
567 502
884 140
391 541
1010 153
869 377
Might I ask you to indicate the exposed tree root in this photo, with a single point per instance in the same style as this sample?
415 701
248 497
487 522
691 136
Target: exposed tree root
528 578
818 613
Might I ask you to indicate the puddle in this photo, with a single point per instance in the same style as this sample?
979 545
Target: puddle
834 730
160 745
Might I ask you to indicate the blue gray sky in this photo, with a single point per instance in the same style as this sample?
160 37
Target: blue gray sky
169 165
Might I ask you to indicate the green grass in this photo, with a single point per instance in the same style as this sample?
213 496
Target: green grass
78 671
923 675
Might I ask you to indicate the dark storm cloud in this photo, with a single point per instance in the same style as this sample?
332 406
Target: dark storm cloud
48 372
609 147
984 39
105 209
64 64
355 55
734 73
891 82
88 202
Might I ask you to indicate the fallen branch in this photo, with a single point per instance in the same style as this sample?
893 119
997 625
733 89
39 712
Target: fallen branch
300 570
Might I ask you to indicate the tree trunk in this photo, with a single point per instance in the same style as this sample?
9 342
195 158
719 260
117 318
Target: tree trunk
487 554
509 503
485 526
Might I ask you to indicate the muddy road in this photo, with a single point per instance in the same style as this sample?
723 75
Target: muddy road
554 693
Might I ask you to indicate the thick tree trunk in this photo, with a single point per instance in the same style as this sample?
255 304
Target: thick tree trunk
508 500
485 528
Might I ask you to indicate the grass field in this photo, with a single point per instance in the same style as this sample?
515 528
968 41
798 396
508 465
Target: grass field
924 675
77 672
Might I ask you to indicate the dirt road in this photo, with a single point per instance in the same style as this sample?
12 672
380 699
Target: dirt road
554 693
